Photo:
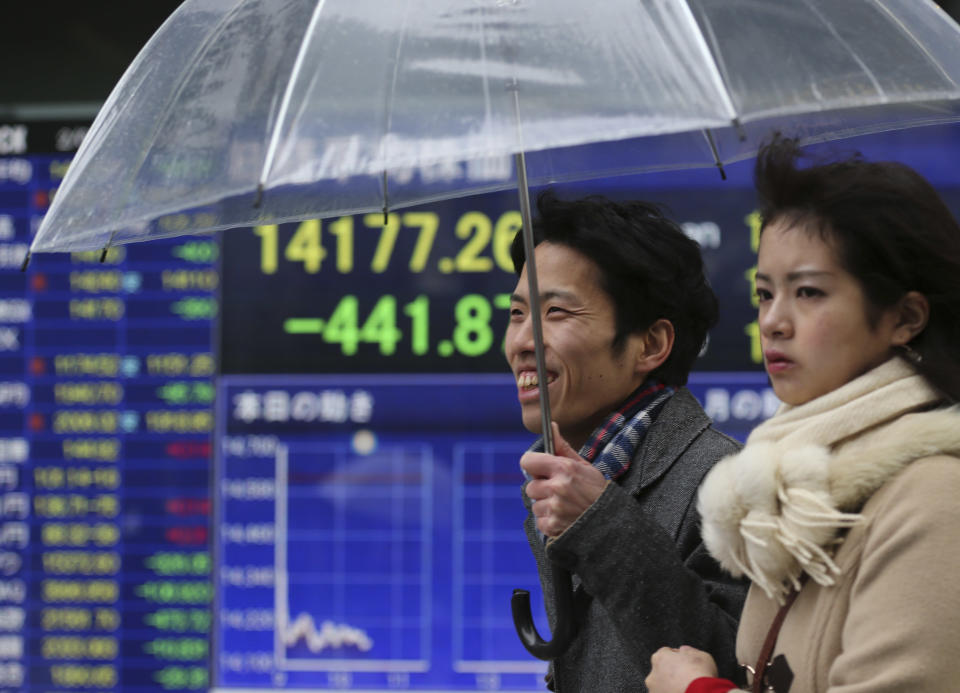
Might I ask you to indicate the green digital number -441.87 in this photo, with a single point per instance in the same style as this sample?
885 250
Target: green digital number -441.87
472 334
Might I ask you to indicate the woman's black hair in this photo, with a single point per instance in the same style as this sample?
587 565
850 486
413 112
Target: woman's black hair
648 267
893 233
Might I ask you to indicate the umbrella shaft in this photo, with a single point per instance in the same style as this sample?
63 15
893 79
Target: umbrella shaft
534 290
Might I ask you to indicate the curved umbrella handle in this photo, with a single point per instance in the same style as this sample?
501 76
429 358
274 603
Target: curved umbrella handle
565 628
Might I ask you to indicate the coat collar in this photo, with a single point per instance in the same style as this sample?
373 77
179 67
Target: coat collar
679 423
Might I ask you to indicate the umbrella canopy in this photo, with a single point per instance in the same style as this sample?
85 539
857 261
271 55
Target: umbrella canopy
243 112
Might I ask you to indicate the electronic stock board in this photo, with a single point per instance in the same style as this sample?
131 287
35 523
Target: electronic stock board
105 418
286 457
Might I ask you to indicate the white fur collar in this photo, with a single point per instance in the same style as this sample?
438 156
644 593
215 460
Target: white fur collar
773 511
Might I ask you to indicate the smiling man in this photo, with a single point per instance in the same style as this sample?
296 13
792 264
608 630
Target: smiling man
625 309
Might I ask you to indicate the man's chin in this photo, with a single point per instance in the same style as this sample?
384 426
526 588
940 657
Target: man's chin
531 421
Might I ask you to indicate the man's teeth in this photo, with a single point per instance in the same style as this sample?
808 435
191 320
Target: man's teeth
529 380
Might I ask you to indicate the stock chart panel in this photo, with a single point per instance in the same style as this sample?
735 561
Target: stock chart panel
367 502
106 392
367 540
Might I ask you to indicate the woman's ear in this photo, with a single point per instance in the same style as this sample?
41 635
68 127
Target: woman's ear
656 345
913 312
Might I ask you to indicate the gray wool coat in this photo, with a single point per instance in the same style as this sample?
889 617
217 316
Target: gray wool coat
643 578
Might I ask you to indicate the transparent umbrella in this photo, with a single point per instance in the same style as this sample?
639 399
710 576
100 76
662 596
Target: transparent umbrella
245 112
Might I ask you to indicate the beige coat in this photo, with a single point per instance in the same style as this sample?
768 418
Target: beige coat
892 621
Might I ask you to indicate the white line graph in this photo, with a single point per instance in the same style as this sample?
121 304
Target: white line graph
330 635
353 640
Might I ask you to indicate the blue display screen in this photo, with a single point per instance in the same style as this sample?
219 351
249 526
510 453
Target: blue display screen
106 392
287 457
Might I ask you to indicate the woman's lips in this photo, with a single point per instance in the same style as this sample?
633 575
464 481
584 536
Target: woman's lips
776 362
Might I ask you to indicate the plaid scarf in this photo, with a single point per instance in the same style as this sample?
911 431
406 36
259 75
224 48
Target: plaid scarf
611 446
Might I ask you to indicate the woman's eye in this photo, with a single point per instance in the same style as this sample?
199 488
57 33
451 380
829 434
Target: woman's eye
808 292
763 295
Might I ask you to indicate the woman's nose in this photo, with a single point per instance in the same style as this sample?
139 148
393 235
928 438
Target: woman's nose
774 320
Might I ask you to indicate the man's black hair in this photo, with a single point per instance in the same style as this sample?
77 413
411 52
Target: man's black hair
647 266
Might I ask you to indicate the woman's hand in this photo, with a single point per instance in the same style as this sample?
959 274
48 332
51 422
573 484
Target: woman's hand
675 668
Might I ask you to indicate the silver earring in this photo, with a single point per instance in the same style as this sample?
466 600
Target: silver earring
911 354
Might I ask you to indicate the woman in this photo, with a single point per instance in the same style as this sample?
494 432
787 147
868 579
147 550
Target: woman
844 508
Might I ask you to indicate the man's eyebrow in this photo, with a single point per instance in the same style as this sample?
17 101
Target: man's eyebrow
799 274
545 296
558 293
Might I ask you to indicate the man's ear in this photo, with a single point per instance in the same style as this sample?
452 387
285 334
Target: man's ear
655 347
913 311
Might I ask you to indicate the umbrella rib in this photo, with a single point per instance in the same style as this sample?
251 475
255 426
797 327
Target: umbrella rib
919 45
833 30
714 70
101 123
487 126
157 126
388 109
716 154
287 96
